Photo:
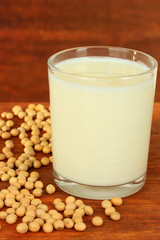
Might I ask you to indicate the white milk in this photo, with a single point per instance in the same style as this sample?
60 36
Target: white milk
101 127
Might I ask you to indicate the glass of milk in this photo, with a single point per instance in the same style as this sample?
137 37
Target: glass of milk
101 102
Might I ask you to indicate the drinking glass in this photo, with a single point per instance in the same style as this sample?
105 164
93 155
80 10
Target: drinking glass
101 101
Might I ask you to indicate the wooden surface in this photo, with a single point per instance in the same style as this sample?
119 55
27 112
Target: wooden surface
32 30
140 212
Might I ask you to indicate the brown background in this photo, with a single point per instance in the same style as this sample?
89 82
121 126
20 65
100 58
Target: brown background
32 30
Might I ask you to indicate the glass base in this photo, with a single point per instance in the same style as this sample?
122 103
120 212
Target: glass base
98 192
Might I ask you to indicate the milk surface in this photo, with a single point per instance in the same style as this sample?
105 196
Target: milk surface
101 123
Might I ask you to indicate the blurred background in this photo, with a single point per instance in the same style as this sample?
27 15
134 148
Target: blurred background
32 30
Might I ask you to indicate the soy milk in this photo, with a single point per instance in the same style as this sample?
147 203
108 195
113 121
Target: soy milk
101 120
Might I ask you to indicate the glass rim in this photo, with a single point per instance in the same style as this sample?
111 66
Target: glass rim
149 70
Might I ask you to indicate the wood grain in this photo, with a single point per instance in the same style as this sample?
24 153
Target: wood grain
32 30
140 212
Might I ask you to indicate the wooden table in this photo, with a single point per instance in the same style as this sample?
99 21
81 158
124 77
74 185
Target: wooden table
140 212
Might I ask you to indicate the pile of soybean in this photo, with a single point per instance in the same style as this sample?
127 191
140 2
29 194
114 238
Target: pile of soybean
22 197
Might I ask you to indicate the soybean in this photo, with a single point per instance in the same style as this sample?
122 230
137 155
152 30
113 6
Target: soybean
97 221
80 226
22 228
